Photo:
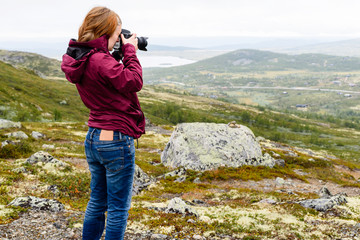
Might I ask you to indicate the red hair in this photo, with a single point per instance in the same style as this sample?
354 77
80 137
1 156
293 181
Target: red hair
98 22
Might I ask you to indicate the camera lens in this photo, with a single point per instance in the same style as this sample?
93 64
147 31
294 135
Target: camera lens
142 43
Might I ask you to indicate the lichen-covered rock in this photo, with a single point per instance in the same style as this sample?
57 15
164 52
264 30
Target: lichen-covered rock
205 146
40 157
18 135
48 161
9 124
37 135
325 202
141 180
177 205
38 203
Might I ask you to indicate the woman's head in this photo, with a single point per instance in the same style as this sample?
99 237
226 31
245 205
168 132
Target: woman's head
98 22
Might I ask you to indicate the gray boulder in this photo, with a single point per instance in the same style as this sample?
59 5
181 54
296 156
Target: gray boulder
205 146
38 203
9 124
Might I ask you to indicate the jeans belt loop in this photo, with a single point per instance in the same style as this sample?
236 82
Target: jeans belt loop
92 133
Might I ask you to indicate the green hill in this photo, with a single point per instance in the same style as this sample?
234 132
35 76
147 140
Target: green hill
42 66
24 96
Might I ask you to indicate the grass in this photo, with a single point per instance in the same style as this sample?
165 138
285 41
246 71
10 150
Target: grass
246 173
74 189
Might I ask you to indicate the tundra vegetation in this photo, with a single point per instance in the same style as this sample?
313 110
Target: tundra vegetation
319 148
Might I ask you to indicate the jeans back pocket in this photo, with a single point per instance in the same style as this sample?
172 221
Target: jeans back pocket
112 157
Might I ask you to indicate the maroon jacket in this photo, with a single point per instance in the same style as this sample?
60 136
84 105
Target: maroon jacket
107 87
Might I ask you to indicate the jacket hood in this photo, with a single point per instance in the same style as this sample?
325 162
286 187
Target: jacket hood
75 59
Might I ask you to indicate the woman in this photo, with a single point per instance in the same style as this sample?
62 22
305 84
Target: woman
108 88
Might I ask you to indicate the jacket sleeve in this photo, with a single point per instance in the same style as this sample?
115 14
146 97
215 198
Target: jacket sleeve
125 77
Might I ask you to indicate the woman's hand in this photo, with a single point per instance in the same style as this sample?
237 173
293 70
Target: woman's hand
132 40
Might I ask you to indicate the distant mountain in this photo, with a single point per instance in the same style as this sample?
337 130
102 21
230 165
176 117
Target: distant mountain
42 66
255 60
339 48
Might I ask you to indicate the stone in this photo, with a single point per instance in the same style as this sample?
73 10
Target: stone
280 162
17 135
207 146
177 205
19 170
40 157
197 237
48 146
325 202
141 180
279 181
177 172
63 102
37 135
38 203
158 237
45 157
197 180
325 193
268 201
180 179
7 142
9 124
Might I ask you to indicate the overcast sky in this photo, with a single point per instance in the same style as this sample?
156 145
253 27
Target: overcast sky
60 19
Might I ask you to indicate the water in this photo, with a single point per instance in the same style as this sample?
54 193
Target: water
162 61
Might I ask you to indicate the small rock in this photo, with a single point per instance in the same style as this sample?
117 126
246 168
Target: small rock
268 201
279 181
181 179
326 202
38 203
17 135
197 237
177 172
48 146
141 180
7 142
9 124
191 221
37 135
40 157
158 236
280 162
274 154
19 170
63 102
177 205
197 201
324 193
197 180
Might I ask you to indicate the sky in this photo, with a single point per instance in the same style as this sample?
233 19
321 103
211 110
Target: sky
161 20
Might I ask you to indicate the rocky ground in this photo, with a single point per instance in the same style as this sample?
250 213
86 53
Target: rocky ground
230 203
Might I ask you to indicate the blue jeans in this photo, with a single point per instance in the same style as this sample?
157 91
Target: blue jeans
112 166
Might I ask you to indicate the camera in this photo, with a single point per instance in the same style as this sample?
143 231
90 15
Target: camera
142 43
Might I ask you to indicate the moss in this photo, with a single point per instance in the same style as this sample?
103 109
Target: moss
16 151
246 173
12 214
74 189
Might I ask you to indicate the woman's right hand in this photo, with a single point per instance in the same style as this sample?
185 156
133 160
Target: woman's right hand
132 40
